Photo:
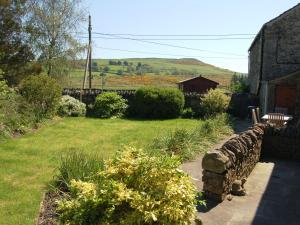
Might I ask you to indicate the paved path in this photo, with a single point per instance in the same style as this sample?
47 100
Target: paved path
273 196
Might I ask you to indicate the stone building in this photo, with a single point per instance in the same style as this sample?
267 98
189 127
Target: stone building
274 63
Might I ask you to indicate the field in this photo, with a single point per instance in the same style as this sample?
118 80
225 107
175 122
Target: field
146 71
28 163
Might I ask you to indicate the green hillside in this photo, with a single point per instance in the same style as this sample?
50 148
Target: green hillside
135 72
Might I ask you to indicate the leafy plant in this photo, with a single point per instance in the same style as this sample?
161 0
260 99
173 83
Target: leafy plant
134 188
157 103
214 102
239 84
16 115
43 93
69 106
188 113
109 104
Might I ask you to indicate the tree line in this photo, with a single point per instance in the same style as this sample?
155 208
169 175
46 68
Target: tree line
39 36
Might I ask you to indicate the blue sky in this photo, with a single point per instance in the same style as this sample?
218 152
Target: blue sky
178 17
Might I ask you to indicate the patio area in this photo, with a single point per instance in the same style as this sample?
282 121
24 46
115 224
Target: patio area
273 196
272 189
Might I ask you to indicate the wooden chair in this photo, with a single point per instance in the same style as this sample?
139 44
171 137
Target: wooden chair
281 110
276 119
254 116
258 114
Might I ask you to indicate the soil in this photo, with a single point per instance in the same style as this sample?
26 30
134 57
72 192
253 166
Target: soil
48 214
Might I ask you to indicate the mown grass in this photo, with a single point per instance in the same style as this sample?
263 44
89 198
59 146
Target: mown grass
28 163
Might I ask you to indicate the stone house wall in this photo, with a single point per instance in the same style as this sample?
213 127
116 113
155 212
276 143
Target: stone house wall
274 54
297 110
281 51
277 48
235 160
254 66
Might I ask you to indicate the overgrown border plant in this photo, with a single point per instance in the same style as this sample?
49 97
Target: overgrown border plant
133 188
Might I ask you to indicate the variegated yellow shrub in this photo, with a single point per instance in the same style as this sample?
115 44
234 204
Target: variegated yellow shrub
134 188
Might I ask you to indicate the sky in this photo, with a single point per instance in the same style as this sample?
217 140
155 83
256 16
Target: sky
178 17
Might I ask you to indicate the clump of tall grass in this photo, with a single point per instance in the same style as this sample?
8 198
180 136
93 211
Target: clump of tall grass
77 165
188 143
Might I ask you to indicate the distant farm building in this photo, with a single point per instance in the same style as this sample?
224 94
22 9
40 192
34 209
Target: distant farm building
274 66
197 84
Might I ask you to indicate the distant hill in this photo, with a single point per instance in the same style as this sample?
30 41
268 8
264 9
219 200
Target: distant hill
135 72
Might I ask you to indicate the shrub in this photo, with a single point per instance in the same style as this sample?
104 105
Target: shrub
239 84
16 115
157 103
134 188
69 106
188 113
214 102
109 104
43 93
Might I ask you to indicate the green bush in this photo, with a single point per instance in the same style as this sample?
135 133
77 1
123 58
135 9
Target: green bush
214 102
109 105
157 103
239 84
188 113
43 93
69 106
16 115
134 188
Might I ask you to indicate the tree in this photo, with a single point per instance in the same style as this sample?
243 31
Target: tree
239 83
53 25
16 57
119 72
112 63
95 67
106 69
125 63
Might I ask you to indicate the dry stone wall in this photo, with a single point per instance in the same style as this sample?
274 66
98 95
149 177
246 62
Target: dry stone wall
233 161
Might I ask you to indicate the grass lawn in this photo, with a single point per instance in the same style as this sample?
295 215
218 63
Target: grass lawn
28 163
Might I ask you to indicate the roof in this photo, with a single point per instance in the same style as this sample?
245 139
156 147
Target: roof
295 76
272 20
194 78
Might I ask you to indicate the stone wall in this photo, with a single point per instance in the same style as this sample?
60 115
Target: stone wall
297 110
281 53
281 143
254 66
89 95
278 42
233 161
